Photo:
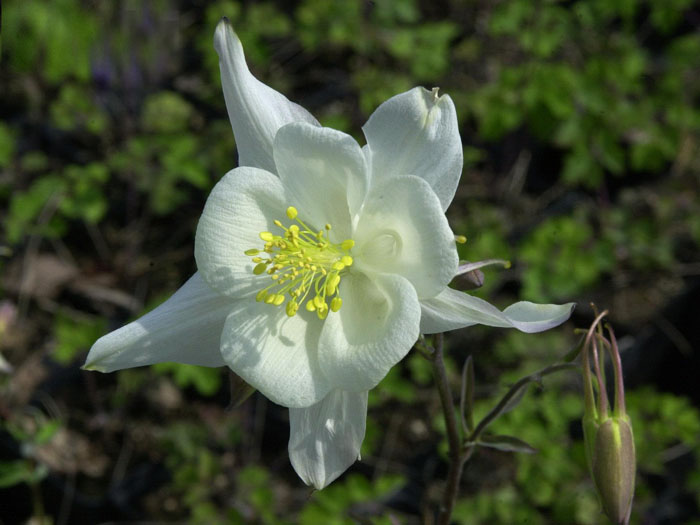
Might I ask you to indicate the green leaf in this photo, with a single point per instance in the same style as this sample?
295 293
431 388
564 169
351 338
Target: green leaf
76 108
7 144
505 444
466 399
15 472
46 432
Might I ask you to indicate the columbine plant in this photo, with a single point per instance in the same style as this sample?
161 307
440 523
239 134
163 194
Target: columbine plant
320 262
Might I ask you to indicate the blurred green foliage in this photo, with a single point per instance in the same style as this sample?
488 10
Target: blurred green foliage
206 381
333 504
113 120
58 35
564 258
74 336
33 430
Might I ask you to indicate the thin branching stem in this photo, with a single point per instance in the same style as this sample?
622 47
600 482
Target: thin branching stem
461 450
513 391
456 458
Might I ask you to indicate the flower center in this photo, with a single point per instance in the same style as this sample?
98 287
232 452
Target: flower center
303 265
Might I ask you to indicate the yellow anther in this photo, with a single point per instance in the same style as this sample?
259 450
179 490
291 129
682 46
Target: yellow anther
332 284
347 244
279 299
319 302
294 230
266 236
261 295
292 212
338 266
322 312
460 239
336 303
292 308
259 268
346 260
252 252
270 298
328 226
278 224
310 306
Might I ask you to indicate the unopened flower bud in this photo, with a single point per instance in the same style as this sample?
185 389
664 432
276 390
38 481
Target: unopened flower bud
612 464
607 433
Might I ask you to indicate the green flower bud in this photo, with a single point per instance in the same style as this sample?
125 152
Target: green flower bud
612 464
607 433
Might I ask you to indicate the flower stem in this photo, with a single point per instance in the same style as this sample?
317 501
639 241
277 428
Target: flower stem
457 460
461 450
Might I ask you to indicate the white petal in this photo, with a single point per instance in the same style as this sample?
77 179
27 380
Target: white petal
453 309
416 133
402 229
275 353
324 174
256 110
244 203
186 329
325 439
375 328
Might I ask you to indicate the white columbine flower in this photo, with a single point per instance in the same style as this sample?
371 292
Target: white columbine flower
319 262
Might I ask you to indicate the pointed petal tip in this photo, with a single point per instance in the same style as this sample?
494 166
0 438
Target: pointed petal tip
91 367
316 484
224 23
224 36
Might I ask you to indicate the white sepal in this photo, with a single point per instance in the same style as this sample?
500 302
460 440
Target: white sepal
256 111
185 329
325 439
453 309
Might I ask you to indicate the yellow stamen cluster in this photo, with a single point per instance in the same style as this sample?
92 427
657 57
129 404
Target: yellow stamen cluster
304 265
